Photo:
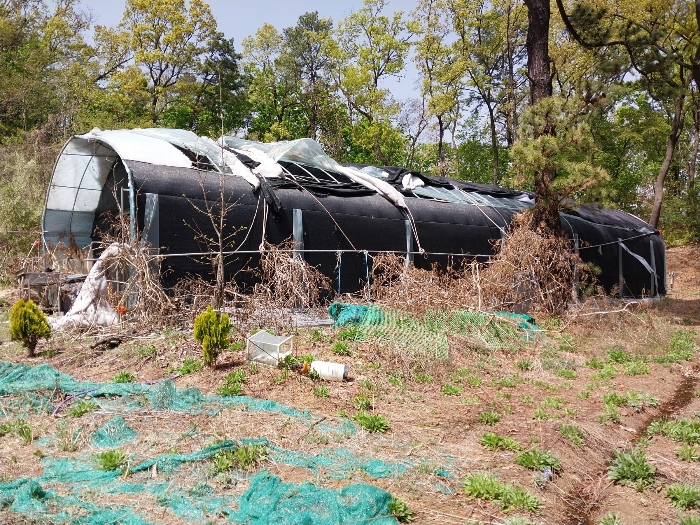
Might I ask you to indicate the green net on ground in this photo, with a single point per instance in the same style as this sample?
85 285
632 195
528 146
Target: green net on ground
74 489
429 334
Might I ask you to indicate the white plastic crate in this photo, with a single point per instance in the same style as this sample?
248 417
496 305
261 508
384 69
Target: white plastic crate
268 349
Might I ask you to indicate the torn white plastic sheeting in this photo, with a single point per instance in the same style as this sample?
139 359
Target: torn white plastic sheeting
411 182
91 307
385 189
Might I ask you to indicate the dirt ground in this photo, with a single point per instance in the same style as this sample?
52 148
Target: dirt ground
438 411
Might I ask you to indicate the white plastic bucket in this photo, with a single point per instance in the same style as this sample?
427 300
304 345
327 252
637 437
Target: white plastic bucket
330 371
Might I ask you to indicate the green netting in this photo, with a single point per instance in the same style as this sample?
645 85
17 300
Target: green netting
268 499
113 434
428 334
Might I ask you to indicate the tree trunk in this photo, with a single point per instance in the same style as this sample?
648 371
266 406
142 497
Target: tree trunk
494 143
545 215
676 129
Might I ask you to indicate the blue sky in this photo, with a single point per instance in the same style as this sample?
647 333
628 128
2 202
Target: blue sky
238 19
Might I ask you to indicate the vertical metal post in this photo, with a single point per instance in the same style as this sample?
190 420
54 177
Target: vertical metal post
298 233
409 244
620 276
503 237
654 286
663 262
574 291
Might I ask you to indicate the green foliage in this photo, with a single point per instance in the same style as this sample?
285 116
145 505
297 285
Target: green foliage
81 408
422 378
488 487
536 459
493 441
572 432
233 383
523 365
474 381
371 422
490 417
146 351
340 348
111 459
541 414
618 356
244 457
124 376
611 519
566 373
683 430
28 324
684 496
321 391
211 331
352 333
451 390
681 347
631 468
595 364
67 437
396 378
636 368
554 403
690 519
362 401
687 452
19 428
189 366
399 509
607 372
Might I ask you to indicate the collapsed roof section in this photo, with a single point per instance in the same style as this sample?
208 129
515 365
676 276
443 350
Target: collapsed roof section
161 173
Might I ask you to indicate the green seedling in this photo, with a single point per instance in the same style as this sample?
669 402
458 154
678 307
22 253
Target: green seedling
19 428
684 497
688 452
572 432
372 422
146 351
535 459
362 402
321 391
124 377
112 459
451 390
399 509
81 408
422 378
474 381
340 348
493 441
631 468
523 365
488 487
490 417
189 366
540 414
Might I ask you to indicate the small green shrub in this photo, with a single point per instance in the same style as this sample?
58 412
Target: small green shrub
572 432
112 459
566 373
233 383
399 509
488 487
362 401
81 408
146 351
611 519
396 378
631 468
244 457
681 347
540 414
474 381
690 519
535 459
421 377
684 496
211 331
372 422
618 356
490 417
523 365
493 441
683 430
595 363
189 366
321 391
607 372
28 324
553 403
636 368
340 348
451 390
237 346
66 437
124 376
19 428
352 333
687 452
507 381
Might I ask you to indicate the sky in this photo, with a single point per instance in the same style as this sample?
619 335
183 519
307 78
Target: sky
238 19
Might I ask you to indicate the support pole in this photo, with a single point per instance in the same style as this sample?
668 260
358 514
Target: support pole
298 233
620 276
574 290
652 259
409 244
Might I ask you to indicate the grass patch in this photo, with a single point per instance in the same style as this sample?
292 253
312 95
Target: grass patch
321 391
111 459
400 510
18 428
340 348
490 417
687 452
572 432
451 390
233 383
124 376
422 378
536 459
684 497
372 422
493 441
81 408
510 497
189 366
244 457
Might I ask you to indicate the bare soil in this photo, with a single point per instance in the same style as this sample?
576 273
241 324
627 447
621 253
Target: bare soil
530 389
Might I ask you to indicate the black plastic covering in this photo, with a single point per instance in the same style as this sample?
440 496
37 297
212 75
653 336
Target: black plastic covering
339 214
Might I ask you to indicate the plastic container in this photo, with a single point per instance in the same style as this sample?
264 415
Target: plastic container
268 349
330 371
